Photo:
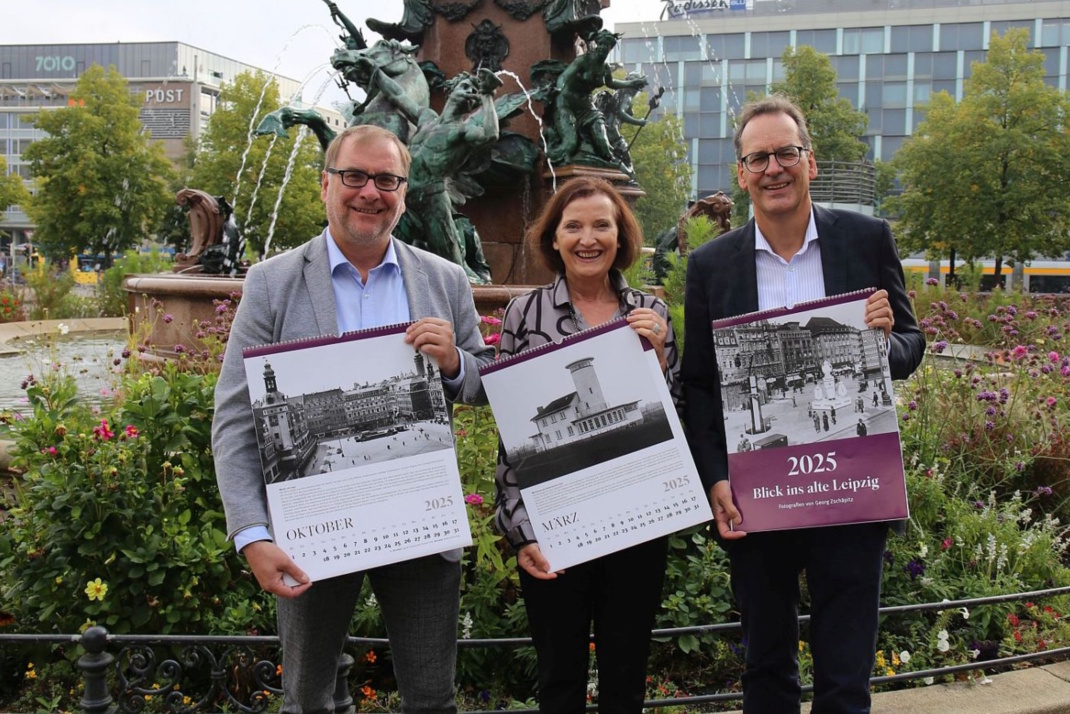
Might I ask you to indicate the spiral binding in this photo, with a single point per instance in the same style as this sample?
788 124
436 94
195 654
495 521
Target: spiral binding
323 340
551 346
797 307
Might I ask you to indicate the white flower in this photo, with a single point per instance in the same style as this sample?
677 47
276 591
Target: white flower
941 641
923 550
466 626
974 654
965 613
63 329
927 680
984 679
904 656
371 601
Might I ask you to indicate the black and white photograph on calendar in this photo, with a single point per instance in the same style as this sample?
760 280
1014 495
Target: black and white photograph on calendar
321 415
803 375
577 407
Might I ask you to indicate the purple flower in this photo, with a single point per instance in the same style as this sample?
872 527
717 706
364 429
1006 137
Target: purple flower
179 348
915 568
991 411
989 426
1019 466
167 317
979 505
889 557
1031 315
913 405
126 353
940 346
1042 491
932 281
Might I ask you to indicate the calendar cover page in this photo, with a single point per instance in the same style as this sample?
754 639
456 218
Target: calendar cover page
596 444
357 451
809 416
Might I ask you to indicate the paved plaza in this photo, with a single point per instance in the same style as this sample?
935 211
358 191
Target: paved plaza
412 439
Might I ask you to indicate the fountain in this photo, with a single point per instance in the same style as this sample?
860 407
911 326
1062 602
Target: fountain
424 80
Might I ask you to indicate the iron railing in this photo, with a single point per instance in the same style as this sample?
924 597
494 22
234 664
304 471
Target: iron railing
235 674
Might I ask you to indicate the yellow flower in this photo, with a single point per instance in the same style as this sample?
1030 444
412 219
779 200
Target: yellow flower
96 590
890 672
895 658
87 624
30 672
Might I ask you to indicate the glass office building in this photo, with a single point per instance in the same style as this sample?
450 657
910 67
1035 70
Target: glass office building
177 84
889 56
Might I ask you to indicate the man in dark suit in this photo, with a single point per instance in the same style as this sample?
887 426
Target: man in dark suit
791 252
352 276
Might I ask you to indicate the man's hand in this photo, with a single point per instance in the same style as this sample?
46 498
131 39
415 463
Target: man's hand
725 513
531 559
269 563
879 312
433 336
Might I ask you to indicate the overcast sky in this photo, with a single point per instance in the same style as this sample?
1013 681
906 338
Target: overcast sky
294 37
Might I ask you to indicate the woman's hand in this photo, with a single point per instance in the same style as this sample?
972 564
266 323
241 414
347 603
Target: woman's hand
531 559
654 328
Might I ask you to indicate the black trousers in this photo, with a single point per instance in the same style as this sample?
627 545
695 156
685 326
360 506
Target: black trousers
620 593
843 567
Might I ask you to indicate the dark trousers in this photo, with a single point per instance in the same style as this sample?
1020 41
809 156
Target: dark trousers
620 593
843 567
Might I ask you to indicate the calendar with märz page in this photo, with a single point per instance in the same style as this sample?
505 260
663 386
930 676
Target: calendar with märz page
593 440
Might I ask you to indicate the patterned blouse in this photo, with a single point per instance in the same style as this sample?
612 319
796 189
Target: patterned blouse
546 315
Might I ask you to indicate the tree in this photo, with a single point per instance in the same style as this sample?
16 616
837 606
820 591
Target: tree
661 169
1003 152
101 184
250 171
836 127
12 191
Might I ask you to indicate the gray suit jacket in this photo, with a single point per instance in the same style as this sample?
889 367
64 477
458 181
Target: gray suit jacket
290 297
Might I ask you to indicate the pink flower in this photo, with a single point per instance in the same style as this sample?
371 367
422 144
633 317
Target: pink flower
102 432
488 320
1019 352
492 339
473 499
131 431
167 318
1054 356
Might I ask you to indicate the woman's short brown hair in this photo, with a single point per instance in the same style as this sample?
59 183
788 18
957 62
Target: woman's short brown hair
541 234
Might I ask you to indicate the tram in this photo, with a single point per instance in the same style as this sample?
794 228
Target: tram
1042 275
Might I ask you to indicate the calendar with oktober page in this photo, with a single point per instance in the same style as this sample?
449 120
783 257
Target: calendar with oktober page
593 439
809 416
357 451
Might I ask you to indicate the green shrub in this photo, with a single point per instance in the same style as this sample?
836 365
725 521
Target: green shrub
118 521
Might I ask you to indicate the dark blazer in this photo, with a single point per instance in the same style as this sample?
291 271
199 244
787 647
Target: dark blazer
857 252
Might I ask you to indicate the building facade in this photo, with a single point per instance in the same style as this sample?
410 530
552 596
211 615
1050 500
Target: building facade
177 84
890 56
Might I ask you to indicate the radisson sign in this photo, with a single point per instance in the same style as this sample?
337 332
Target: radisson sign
675 9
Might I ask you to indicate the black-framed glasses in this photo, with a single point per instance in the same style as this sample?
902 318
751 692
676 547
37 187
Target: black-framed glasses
355 178
786 156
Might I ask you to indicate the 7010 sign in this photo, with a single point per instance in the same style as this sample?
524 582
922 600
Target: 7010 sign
50 63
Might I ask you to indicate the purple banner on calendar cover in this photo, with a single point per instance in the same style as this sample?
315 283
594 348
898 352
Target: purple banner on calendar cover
835 482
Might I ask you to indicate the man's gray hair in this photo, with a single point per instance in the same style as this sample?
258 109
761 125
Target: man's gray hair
366 132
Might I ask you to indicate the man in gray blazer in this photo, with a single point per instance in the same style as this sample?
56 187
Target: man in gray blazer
791 252
352 276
